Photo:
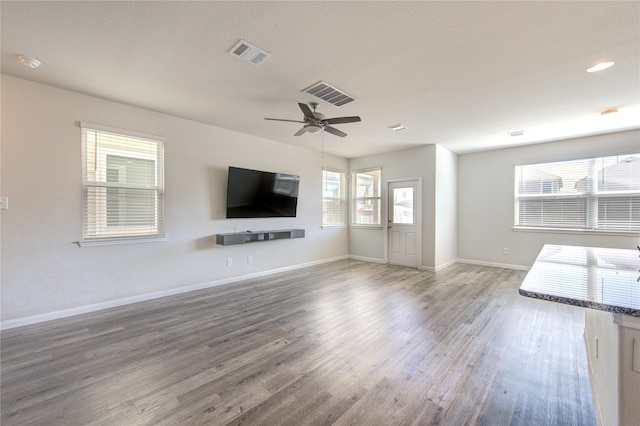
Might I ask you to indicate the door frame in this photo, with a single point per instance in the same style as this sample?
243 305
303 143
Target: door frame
386 215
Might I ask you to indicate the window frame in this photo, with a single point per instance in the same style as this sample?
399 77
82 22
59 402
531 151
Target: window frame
589 197
354 198
95 227
341 199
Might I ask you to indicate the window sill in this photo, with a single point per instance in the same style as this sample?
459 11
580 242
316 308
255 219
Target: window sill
358 226
117 241
334 226
577 231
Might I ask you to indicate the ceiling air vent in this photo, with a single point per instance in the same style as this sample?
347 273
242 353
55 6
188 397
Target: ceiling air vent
329 94
249 53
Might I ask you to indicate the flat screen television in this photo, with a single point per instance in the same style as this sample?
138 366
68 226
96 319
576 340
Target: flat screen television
258 194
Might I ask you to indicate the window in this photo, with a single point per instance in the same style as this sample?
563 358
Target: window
600 193
403 203
123 194
366 194
332 198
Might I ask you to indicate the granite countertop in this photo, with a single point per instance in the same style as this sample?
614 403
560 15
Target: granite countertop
591 277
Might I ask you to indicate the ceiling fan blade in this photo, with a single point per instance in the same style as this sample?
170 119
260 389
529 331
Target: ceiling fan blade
334 131
300 132
341 120
282 119
306 111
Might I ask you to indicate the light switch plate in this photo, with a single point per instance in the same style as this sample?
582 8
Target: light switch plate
4 203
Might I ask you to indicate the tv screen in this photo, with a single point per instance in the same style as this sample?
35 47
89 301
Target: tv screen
254 193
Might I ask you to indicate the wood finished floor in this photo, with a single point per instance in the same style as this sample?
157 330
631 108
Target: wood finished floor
345 343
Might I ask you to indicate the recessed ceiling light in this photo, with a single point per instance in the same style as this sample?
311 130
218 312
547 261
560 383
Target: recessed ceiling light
609 111
601 66
516 133
397 127
28 61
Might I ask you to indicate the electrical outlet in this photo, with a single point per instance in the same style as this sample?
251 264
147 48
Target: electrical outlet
505 251
4 203
249 259
229 261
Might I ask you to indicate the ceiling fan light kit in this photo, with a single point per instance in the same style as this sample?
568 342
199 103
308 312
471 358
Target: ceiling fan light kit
315 122
314 129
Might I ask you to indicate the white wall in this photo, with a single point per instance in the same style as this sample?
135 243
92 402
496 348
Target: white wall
446 207
437 168
44 271
369 243
485 200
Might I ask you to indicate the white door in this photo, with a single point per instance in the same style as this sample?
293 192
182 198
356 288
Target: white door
404 238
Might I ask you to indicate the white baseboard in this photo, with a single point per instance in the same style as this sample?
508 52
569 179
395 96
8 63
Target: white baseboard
449 263
34 319
439 267
368 259
493 264
445 265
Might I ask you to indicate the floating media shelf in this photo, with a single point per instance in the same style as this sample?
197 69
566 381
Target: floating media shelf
257 236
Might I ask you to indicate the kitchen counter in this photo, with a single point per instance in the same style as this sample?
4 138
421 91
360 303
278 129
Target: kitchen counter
608 282
598 278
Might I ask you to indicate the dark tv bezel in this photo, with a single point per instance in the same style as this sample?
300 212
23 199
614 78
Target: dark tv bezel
263 212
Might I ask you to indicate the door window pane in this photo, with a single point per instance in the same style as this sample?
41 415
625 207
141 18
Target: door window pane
403 212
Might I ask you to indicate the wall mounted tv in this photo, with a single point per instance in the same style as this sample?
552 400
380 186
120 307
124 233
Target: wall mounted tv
254 193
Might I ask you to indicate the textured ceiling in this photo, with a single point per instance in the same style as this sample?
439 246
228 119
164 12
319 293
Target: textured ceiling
459 74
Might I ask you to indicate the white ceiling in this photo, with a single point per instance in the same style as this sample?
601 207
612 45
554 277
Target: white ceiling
459 74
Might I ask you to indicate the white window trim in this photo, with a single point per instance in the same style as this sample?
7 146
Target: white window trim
126 132
561 230
342 199
103 152
353 198
121 240
576 231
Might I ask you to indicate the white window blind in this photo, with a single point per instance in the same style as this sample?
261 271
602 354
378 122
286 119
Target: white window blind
333 201
601 193
123 185
367 195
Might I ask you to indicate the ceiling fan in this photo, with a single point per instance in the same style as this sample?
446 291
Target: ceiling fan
314 122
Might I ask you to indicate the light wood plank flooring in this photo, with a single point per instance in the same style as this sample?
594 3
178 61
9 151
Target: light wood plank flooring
345 343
